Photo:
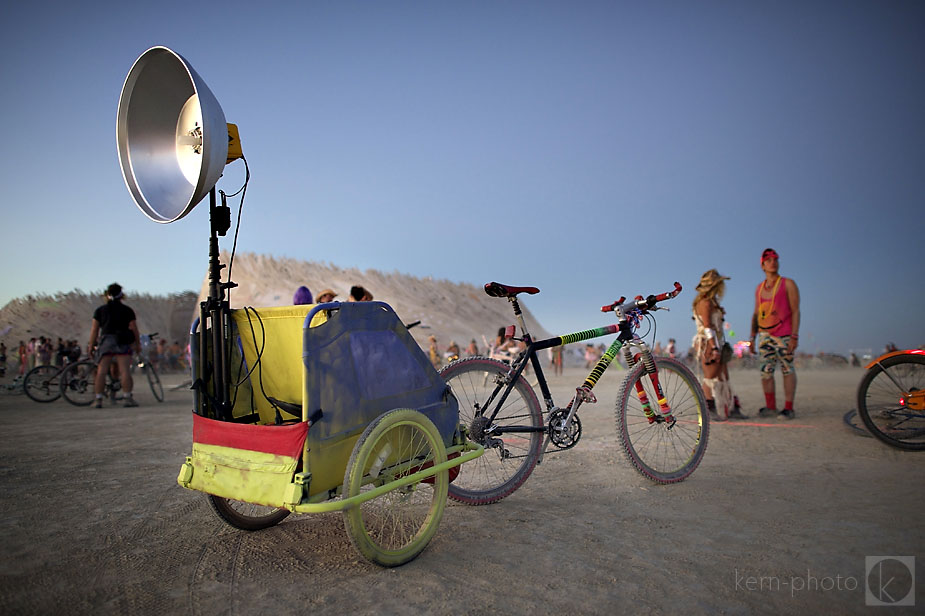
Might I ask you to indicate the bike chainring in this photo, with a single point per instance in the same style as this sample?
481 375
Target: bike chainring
559 435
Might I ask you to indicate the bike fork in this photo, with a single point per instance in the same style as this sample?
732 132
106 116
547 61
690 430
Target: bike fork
664 412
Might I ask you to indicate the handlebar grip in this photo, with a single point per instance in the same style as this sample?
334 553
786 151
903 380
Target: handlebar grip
669 294
644 303
611 307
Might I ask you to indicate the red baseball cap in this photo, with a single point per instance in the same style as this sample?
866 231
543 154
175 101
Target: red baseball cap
769 253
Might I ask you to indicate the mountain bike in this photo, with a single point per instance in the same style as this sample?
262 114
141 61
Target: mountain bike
43 383
77 381
144 363
660 413
891 399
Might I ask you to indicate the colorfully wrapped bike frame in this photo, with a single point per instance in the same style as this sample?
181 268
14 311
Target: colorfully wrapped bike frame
624 329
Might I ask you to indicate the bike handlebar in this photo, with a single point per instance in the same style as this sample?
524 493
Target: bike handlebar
641 303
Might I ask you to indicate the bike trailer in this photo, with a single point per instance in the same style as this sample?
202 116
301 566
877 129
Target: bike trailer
306 381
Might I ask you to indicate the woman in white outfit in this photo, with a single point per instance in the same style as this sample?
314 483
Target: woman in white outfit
711 348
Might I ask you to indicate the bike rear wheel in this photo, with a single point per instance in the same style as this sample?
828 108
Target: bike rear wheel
77 382
508 459
42 384
155 382
663 453
890 401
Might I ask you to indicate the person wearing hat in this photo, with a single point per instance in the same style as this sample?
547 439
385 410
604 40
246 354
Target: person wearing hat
326 295
712 349
776 323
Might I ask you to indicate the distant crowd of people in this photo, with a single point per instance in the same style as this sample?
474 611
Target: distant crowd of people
40 351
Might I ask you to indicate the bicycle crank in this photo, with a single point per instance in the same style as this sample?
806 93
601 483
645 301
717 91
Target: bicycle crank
561 435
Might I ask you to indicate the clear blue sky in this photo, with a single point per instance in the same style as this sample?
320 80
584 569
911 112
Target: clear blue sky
633 143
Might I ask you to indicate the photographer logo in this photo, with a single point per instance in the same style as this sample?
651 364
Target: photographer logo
890 580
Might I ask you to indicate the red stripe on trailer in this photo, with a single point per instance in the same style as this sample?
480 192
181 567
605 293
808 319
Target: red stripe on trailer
285 440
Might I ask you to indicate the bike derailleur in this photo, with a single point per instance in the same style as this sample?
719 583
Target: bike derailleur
560 435
480 432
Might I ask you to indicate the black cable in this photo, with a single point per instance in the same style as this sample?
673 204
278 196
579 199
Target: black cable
237 227
248 310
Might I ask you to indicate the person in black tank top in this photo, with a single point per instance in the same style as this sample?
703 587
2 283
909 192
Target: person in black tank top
114 335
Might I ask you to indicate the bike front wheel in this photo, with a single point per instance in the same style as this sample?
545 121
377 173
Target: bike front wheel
661 451
891 401
155 382
510 457
77 383
42 384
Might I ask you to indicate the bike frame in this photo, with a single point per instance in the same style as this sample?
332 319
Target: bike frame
583 392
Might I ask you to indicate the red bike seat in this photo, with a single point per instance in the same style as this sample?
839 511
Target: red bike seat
496 289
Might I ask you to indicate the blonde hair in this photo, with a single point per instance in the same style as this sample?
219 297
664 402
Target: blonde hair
713 293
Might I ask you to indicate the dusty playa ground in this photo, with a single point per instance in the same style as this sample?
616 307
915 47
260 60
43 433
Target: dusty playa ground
779 518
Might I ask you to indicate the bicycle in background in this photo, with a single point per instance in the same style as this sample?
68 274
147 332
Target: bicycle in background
891 399
43 383
13 388
76 381
661 411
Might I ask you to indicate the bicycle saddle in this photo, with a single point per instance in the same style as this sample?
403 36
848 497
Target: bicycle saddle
496 289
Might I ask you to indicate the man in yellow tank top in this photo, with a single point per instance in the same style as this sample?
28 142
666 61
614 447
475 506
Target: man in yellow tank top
776 323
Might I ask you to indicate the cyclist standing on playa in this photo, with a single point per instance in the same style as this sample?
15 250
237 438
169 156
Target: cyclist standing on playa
776 322
115 329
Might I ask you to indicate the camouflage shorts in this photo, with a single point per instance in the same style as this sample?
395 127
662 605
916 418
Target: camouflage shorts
771 351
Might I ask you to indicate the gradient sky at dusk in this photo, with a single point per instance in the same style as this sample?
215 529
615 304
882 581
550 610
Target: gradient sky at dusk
591 149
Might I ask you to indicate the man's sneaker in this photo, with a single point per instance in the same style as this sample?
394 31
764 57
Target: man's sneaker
736 413
98 404
786 414
129 401
766 412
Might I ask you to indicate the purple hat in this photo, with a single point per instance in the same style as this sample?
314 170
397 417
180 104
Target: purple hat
302 296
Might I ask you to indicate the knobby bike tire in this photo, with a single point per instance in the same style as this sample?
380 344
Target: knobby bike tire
508 461
880 392
77 382
661 454
42 384
394 527
247 516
